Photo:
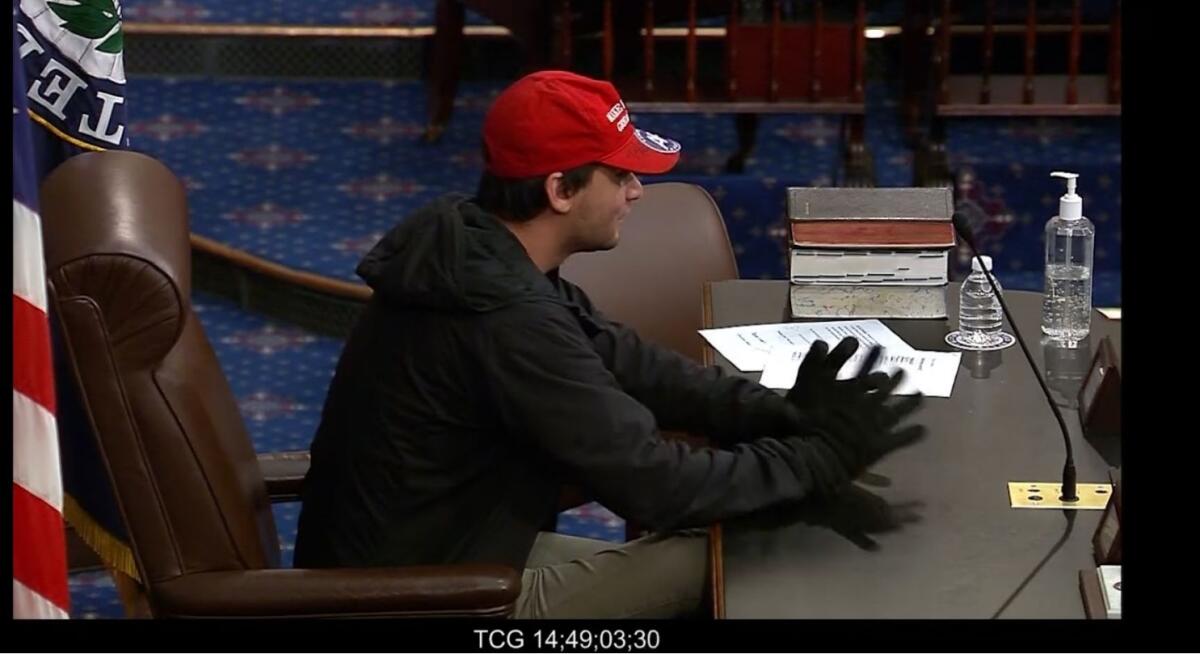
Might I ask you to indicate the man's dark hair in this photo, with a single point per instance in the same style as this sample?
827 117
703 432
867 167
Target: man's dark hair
519 200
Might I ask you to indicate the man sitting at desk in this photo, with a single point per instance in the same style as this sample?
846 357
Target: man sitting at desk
477 383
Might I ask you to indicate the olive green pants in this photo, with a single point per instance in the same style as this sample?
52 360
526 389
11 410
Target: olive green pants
658 576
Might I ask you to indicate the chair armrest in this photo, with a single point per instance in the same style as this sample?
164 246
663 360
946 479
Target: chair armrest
466 590
284 473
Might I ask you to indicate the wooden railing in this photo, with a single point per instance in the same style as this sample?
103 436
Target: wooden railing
984 93
814 66
1037 84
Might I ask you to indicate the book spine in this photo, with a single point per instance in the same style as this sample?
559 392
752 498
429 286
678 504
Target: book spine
920 268
877 234
815 301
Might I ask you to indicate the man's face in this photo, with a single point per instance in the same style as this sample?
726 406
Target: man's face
600 207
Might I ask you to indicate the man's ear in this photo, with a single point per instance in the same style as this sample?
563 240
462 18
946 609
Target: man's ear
560 199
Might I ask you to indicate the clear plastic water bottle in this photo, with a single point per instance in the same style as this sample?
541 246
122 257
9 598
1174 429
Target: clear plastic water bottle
1070 242
980 318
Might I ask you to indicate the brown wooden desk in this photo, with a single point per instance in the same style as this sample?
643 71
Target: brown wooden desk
970 552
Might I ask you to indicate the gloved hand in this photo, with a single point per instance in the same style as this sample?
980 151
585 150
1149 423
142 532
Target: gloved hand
861 428
816 380
843 427
816 385
857 425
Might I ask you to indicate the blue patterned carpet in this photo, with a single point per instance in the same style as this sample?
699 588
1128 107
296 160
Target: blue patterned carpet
311 173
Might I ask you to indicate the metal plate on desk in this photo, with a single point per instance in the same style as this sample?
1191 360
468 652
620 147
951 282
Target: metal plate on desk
1041 495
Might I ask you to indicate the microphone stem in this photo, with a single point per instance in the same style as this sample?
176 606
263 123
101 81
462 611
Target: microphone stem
1068 490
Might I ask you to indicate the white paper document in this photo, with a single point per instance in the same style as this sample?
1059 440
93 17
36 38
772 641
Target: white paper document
747 347
930 373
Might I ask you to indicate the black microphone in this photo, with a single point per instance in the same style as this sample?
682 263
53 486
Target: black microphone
1068 483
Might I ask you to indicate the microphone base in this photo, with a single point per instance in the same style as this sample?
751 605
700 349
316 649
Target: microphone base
1045 495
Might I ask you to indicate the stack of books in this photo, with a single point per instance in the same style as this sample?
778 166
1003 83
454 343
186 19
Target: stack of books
870 252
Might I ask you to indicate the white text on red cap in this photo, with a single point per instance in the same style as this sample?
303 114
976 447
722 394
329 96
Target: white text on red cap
617 110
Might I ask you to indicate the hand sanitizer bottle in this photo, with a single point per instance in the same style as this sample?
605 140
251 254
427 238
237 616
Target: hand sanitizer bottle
1070 241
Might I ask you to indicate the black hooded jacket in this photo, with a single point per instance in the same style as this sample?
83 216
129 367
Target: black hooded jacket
473 387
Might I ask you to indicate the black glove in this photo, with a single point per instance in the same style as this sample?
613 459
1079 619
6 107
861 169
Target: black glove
861 432
816 380
858 428
816 385
845 427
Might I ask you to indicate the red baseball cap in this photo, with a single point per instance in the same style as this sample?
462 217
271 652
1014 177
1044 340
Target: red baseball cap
554 120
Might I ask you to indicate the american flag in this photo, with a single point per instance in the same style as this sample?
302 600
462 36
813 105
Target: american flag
68 98
39 549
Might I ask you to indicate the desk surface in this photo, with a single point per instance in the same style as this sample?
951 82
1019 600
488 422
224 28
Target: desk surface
970 552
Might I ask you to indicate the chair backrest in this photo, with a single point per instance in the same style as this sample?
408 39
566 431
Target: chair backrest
167 425
672 242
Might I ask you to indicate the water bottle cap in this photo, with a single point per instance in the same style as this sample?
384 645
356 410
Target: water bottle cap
987 261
